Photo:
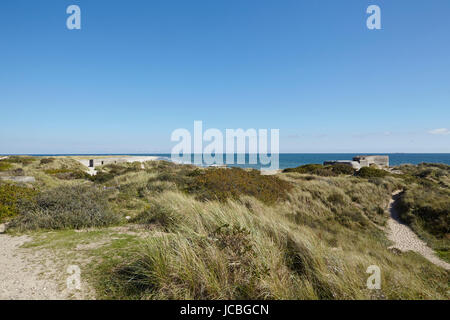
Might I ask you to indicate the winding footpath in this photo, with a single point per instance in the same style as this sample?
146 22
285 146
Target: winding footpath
405 239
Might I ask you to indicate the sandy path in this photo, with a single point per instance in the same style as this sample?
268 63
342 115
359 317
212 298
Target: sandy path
405 239
20 278
30 273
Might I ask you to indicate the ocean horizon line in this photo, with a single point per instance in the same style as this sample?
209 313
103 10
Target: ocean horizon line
168 153
286 160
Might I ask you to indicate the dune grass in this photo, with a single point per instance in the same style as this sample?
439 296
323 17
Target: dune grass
247 250
314 239
425 204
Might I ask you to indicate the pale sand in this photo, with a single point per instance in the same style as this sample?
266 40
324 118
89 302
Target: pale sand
405 239
20 277
84 160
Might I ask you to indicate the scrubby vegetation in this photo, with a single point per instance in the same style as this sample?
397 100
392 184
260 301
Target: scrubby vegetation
67 207
10 195
68 174
308 233
23 160
223 184
47 161
372 172
246 250
108 172
4 166
325 171
425 204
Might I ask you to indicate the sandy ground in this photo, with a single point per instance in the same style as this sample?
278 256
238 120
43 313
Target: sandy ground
405 239
30 274
18 279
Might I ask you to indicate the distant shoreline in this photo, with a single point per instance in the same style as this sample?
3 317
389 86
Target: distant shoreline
290 160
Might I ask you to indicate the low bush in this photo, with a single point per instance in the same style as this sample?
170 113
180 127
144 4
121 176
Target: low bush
66 207
429 171
102 177
222 184
425 204
24 160
19 172
67 174
426 208
5 166
47 160
324 171
341 168
10 195
372 172
119 169
307 168
110 171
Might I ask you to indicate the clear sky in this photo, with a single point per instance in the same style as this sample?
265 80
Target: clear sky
137 70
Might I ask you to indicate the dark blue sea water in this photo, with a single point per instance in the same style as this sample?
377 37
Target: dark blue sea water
290 160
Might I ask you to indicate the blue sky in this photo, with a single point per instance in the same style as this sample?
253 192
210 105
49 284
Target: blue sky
137 70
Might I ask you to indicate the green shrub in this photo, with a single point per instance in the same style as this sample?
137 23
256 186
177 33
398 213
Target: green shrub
324 171
24 160
18 172
222 184
47 160
66 207
68 174
102 177
110 171
307 168
371 172
429 171
341 168
10 195
119 169
5 166
425 203
426 208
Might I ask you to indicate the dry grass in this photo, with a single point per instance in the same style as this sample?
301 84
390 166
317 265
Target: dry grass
315 245
315 242
247 250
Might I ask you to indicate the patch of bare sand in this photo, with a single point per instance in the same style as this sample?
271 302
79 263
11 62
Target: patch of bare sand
32 274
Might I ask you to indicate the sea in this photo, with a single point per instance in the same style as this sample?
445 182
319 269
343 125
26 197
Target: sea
291 160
